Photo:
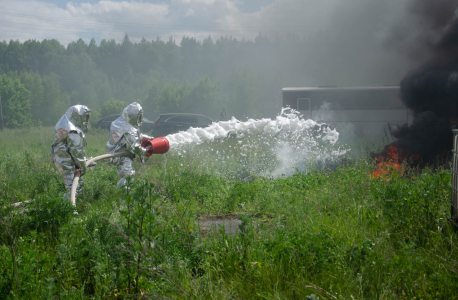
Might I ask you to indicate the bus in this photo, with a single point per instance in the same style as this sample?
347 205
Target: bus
353 111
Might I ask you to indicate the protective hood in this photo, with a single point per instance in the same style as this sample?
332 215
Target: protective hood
79 115
75 119
128 123
133 114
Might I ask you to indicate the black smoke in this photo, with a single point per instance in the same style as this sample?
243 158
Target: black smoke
431 90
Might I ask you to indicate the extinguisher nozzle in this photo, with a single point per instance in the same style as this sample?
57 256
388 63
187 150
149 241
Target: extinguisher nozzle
158 145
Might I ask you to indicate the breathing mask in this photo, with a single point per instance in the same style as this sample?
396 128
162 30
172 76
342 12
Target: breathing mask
86 116
140 119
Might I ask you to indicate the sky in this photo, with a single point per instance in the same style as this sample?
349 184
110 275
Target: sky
68 21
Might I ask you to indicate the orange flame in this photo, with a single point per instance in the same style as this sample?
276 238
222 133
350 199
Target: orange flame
388 165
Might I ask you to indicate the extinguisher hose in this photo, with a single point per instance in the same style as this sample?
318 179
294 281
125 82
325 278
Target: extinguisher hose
88 163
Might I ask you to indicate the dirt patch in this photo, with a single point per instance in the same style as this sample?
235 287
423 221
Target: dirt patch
213 225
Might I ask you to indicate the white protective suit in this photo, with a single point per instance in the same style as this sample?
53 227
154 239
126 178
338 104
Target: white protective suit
69 142
125 136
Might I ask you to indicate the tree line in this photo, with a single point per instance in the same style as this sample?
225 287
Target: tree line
41 79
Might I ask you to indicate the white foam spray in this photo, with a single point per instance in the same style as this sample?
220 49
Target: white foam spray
266 147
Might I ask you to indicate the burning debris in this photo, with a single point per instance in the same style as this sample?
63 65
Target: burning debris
431 93
388 164
421 142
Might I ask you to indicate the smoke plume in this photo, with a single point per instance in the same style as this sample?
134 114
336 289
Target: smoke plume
431 90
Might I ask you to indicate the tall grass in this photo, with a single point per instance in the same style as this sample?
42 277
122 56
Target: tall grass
335 234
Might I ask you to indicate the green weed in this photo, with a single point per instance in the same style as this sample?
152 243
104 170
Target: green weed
323 235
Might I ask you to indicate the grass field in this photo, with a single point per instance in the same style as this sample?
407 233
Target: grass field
339 234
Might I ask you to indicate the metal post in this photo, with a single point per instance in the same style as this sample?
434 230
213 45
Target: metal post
454 185
1 114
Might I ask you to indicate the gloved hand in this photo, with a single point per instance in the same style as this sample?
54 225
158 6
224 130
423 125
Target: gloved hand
77 171
144 137
139 150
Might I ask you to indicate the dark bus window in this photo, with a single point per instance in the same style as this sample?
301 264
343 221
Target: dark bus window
341 100
303 104
356 100
344 99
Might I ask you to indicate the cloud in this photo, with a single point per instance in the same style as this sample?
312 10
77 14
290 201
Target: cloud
25 19
31 19
189 12
116 10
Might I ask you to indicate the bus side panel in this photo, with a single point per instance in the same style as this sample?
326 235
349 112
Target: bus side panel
290 98
355 123
375 116
353 112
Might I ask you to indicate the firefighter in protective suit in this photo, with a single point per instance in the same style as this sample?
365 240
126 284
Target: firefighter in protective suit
68 146
125 136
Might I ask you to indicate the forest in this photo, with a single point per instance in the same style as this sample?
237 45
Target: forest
245 76
40 79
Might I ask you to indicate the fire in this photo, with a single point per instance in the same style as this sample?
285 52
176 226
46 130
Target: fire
388 164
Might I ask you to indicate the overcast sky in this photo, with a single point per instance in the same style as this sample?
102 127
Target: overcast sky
67 21
70 20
